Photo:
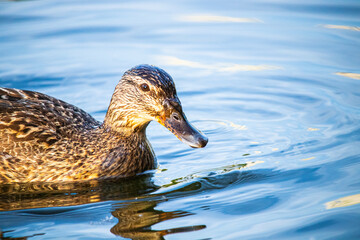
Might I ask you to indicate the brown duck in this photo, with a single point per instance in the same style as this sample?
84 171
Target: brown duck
45 139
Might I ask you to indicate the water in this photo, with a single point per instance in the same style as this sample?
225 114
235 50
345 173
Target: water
275 85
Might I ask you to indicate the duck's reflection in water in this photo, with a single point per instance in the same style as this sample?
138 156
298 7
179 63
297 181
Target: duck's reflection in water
136 219
134 209
2 237
44 195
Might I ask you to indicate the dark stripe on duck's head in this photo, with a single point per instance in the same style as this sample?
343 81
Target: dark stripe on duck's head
157 76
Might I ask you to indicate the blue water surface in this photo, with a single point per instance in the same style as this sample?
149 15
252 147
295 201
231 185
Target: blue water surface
275 85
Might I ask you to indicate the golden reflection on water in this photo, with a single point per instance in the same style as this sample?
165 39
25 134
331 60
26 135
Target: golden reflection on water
219 67
312 129
307 159
352 28
250 164
344 201
232 125
38 195
349 75
136 218
217 19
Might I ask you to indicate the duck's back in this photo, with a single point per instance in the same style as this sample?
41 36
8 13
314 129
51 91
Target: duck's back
33 116
32 122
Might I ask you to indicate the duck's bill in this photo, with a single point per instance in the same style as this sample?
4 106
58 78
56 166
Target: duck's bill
184 131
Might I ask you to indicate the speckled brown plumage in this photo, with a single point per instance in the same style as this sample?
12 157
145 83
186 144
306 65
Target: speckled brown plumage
46 139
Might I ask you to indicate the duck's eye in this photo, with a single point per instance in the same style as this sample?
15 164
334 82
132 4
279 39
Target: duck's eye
144 87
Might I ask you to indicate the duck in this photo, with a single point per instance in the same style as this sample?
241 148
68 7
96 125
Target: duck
44 139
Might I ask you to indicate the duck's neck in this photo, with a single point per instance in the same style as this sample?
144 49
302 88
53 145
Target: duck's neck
122 118
128 151
125 130
120 124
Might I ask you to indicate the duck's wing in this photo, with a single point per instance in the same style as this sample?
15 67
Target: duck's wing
31 116
9 163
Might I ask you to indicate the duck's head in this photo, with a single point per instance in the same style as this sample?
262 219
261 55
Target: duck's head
147 93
